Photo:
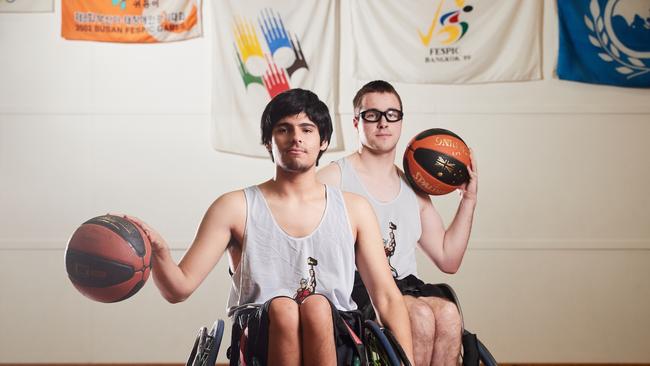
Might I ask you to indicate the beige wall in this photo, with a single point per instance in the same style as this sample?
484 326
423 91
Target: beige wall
559 260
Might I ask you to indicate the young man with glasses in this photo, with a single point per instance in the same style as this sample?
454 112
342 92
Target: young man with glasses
406 218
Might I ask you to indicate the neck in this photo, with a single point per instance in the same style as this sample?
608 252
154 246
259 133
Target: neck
287 183
381 163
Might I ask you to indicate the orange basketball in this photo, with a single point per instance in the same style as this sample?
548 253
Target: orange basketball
108 258
436 161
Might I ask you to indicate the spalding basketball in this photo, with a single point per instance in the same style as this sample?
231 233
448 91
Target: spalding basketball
108 258
436 161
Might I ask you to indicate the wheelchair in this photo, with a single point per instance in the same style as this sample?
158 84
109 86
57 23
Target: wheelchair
378 344
206 346
382 345
474 351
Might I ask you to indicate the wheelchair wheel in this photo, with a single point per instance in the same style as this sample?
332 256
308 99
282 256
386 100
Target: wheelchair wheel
195 347
206 346
486 357
396 347
378 348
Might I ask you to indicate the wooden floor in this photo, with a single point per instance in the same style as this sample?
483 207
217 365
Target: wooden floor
225 364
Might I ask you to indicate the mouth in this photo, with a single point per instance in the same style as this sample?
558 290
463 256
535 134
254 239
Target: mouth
295 151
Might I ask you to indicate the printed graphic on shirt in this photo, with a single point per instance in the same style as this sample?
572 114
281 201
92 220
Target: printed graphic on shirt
389 246
307 286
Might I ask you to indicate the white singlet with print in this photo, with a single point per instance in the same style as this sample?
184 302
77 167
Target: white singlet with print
274 263
399 220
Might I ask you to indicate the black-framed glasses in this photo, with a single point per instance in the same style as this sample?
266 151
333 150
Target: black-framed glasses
374 115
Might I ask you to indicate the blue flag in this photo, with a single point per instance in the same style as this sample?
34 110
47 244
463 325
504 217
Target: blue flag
605 42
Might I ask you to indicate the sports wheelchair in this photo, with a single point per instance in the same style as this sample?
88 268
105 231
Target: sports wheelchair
379 346
474 351
376 345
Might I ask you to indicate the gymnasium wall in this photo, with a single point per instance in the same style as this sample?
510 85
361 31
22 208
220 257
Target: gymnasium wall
559 260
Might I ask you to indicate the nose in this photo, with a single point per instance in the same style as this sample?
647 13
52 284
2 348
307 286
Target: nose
382 123
297 137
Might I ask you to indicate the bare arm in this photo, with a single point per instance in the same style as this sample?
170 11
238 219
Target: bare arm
446 248
375 273
177 282
330 175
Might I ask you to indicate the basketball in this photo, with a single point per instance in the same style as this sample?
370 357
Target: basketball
436 161
108 258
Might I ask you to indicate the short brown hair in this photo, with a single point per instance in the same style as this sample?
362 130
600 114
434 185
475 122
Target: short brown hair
376 86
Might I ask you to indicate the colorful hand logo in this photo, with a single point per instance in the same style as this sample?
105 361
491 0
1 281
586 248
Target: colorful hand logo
275 80
246 76
274 31
283 50
246 40
299 62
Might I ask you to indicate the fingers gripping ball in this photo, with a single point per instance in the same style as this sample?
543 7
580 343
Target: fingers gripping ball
436 161
108 258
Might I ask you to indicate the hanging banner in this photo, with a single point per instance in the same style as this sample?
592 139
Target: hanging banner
605 42
26 6
452 41
131 21
261 49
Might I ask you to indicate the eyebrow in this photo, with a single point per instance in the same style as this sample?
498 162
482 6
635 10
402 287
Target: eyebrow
302 124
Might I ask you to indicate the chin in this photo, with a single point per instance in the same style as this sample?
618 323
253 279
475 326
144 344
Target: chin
296 166
384 147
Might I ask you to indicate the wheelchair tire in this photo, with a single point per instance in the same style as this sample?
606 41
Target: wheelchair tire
216 334
206 346
396 346
197 347
485 355
379 350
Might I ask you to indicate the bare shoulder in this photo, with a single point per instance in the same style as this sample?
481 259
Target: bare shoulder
330 175
231 205
424 200
357 205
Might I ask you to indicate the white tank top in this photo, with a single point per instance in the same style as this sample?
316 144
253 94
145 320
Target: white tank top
399 220
274 263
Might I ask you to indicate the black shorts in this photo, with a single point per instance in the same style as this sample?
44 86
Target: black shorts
409 285
255 321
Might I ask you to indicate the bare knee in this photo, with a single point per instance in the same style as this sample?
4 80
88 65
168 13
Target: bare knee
283 315
423 325
315 310
448 321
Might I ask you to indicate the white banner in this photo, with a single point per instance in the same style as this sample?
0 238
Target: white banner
261 49
26 6
452 41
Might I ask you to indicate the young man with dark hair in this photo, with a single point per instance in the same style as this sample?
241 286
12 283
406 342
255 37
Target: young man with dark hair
293 244
406 218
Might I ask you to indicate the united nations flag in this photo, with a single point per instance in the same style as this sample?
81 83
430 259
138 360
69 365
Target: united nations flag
605 42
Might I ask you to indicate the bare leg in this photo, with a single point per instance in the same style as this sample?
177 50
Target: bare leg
446 348
317 331
423 329
284 332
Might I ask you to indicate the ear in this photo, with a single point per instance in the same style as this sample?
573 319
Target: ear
268 147
324 145
355 121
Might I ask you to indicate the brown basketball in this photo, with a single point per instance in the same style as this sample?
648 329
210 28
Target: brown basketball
436 161
108 258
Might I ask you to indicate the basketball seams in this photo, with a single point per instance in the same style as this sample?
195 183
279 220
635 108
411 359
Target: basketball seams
436 131
128 230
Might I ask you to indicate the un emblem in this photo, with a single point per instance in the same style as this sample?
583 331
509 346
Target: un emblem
622 32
